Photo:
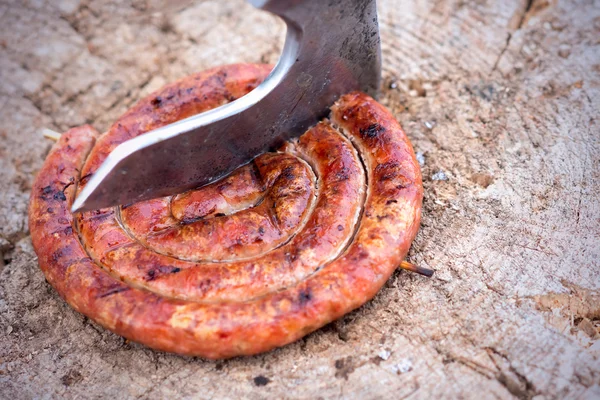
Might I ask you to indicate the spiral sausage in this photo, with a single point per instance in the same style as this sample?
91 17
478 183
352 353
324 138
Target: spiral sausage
279 248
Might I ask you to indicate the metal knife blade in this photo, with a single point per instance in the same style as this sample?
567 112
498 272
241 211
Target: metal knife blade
332 47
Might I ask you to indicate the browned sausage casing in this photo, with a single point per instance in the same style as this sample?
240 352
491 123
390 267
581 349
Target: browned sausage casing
279 248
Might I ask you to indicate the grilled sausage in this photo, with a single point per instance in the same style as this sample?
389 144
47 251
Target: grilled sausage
281 247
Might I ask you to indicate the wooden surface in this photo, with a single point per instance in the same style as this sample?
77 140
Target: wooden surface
500 99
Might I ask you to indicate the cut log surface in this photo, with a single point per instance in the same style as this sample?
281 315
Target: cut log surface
500 100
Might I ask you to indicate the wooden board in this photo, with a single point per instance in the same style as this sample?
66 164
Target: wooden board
500 99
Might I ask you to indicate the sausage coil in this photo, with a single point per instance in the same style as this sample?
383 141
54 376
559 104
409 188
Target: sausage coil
282 246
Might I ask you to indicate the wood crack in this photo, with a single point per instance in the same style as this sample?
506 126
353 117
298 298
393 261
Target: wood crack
521 387
522 19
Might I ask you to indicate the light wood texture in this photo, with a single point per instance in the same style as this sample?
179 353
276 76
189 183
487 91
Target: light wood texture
500 99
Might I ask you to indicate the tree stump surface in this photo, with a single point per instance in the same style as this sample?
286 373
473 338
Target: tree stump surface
500 100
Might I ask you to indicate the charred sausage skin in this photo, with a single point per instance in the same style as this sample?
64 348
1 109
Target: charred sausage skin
314 233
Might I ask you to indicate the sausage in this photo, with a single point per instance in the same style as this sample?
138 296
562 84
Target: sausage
284 245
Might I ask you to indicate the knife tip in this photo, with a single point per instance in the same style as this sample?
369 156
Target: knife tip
78 204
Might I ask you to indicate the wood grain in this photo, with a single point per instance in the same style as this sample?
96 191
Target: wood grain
500 100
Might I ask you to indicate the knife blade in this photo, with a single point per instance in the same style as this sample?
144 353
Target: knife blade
331 48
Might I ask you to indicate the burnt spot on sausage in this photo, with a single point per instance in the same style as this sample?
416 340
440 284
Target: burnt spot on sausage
99 216
57 255
371 131
85 178
204 285
304 297
340 228
361 255
113 291
156 101
387 203
46 190
66 231
158 271
261 230
387 171
342 175
151 275
188 221
60 195
49 192
167 269
405 182
288 173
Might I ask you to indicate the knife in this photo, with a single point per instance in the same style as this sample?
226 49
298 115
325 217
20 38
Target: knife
332 47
